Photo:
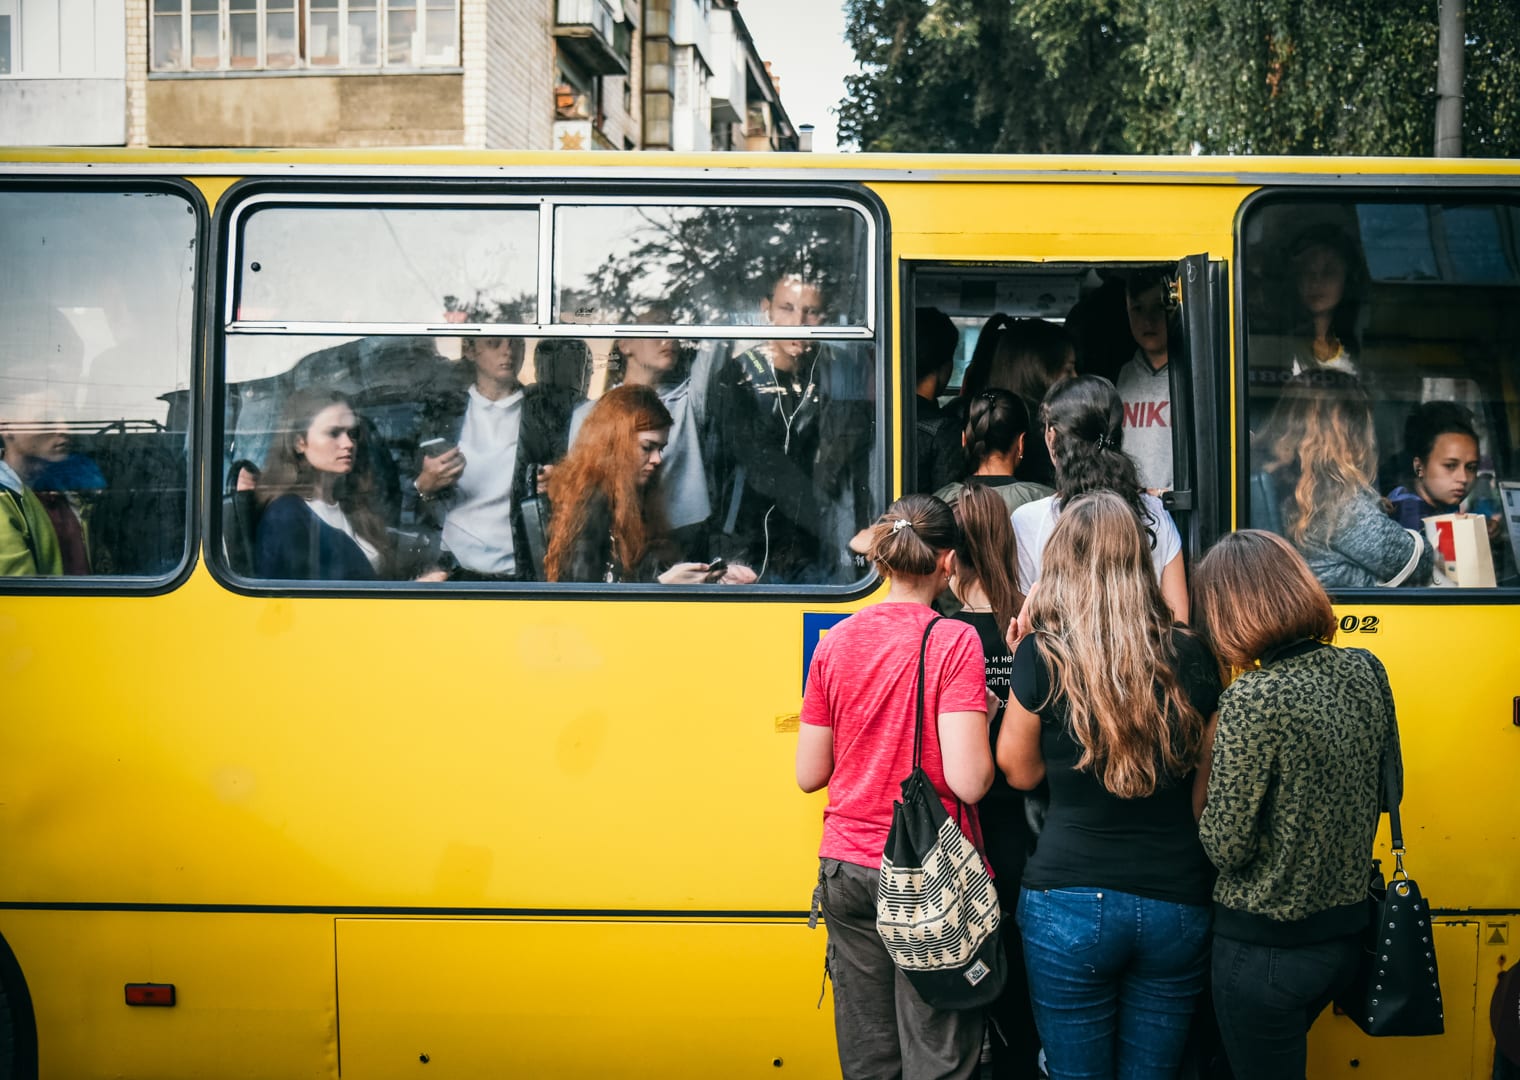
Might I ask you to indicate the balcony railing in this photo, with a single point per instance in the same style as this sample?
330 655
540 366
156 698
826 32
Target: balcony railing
591 32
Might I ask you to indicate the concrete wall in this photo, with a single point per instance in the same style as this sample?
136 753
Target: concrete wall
63 112
348 110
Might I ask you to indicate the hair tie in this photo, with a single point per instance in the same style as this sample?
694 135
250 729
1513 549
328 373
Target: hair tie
901 524
1103 442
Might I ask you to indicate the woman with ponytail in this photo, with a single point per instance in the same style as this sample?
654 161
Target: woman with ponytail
1027 357
995 436
856 738
1109 702
1084 419
984 584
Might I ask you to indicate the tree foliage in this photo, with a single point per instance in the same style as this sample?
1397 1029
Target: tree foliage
1171 76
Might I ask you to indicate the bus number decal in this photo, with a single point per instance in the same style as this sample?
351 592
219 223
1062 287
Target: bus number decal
1359 624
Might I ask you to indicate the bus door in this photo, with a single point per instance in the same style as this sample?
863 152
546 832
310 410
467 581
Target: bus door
1378 334
1198 497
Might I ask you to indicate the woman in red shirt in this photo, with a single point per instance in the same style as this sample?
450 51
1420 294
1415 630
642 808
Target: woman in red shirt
857 738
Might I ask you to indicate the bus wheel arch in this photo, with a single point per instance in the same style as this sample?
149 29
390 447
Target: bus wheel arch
18 1024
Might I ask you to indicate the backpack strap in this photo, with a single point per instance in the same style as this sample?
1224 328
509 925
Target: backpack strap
918 712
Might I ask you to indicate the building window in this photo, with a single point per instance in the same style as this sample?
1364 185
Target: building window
275 35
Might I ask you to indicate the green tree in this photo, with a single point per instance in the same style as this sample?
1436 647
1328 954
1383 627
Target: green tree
1040 76
1171 76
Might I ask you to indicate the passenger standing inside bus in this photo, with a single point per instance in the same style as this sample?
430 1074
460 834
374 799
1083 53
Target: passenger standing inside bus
318 520
605 527
856 737
1145 385
1319 458
997 430
1027 356
1109 703
29 544
1083 419
768 406
937 437
489 440
1328 279
1441 451
680 485
983 582
1291 799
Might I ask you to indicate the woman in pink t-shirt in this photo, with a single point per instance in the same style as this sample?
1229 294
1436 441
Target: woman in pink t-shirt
857 738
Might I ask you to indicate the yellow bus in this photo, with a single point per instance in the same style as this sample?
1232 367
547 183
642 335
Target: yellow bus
258 821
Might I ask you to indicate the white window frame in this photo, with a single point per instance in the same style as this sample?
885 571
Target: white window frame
426 11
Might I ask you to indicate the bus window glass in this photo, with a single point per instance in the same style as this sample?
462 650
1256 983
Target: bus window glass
708 265
1383 387
440 459
96 327
351 264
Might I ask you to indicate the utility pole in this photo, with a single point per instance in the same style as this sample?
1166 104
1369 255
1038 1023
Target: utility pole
1453 36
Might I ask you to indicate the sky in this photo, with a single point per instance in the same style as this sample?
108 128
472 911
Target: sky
804 41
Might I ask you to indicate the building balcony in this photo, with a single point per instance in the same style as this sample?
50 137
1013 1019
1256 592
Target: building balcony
593 35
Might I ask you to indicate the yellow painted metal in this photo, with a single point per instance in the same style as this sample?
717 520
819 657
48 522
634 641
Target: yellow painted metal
255 995
582 999
431 756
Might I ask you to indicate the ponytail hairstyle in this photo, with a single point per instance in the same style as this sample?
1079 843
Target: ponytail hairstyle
1105 634
1087 416
909 538
986 551
994 421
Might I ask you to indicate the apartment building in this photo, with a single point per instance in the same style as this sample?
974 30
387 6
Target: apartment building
475 74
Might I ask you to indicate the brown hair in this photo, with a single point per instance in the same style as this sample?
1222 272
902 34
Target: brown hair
1106 636
911 549
1322 449
286 471
604 460
1026 356
986 551
1253 592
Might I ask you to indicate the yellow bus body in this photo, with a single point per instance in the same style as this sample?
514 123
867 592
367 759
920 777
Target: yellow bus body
379 837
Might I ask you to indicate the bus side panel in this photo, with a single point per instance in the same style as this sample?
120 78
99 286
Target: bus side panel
1339 1049
254 993
478 998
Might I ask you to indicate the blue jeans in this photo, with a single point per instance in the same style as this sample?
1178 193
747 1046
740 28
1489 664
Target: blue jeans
1113 979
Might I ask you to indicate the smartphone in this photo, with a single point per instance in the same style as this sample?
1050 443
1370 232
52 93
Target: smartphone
716 569
435 447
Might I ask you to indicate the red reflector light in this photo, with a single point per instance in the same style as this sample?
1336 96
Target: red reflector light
150 994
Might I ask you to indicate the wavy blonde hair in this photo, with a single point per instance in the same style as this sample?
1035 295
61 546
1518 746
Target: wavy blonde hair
1321 448
1105 634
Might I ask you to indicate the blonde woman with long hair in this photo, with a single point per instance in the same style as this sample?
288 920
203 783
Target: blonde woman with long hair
1109 702
1320 453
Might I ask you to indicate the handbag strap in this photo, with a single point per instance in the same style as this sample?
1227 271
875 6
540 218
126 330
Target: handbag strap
918 712
1393 796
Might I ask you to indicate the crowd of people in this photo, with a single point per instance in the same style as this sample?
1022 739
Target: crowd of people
1175 784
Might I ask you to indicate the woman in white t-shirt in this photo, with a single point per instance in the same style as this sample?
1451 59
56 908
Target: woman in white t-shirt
1084 418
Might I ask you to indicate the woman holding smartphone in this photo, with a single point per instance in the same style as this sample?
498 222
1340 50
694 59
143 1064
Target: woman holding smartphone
605 526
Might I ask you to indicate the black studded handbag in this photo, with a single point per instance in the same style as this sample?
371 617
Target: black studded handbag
1398 987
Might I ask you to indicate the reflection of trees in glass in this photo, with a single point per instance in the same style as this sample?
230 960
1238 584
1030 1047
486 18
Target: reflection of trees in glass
712 265
481 308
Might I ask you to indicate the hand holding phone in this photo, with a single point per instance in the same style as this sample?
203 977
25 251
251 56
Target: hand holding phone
716 569
435 447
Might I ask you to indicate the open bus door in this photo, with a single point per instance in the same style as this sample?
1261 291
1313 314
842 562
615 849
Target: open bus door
1199 499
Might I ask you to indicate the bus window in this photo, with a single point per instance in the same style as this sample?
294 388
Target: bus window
356 452
706 264
97 310
391 264
1381 383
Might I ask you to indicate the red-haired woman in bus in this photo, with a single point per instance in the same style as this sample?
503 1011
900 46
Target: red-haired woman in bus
605 527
